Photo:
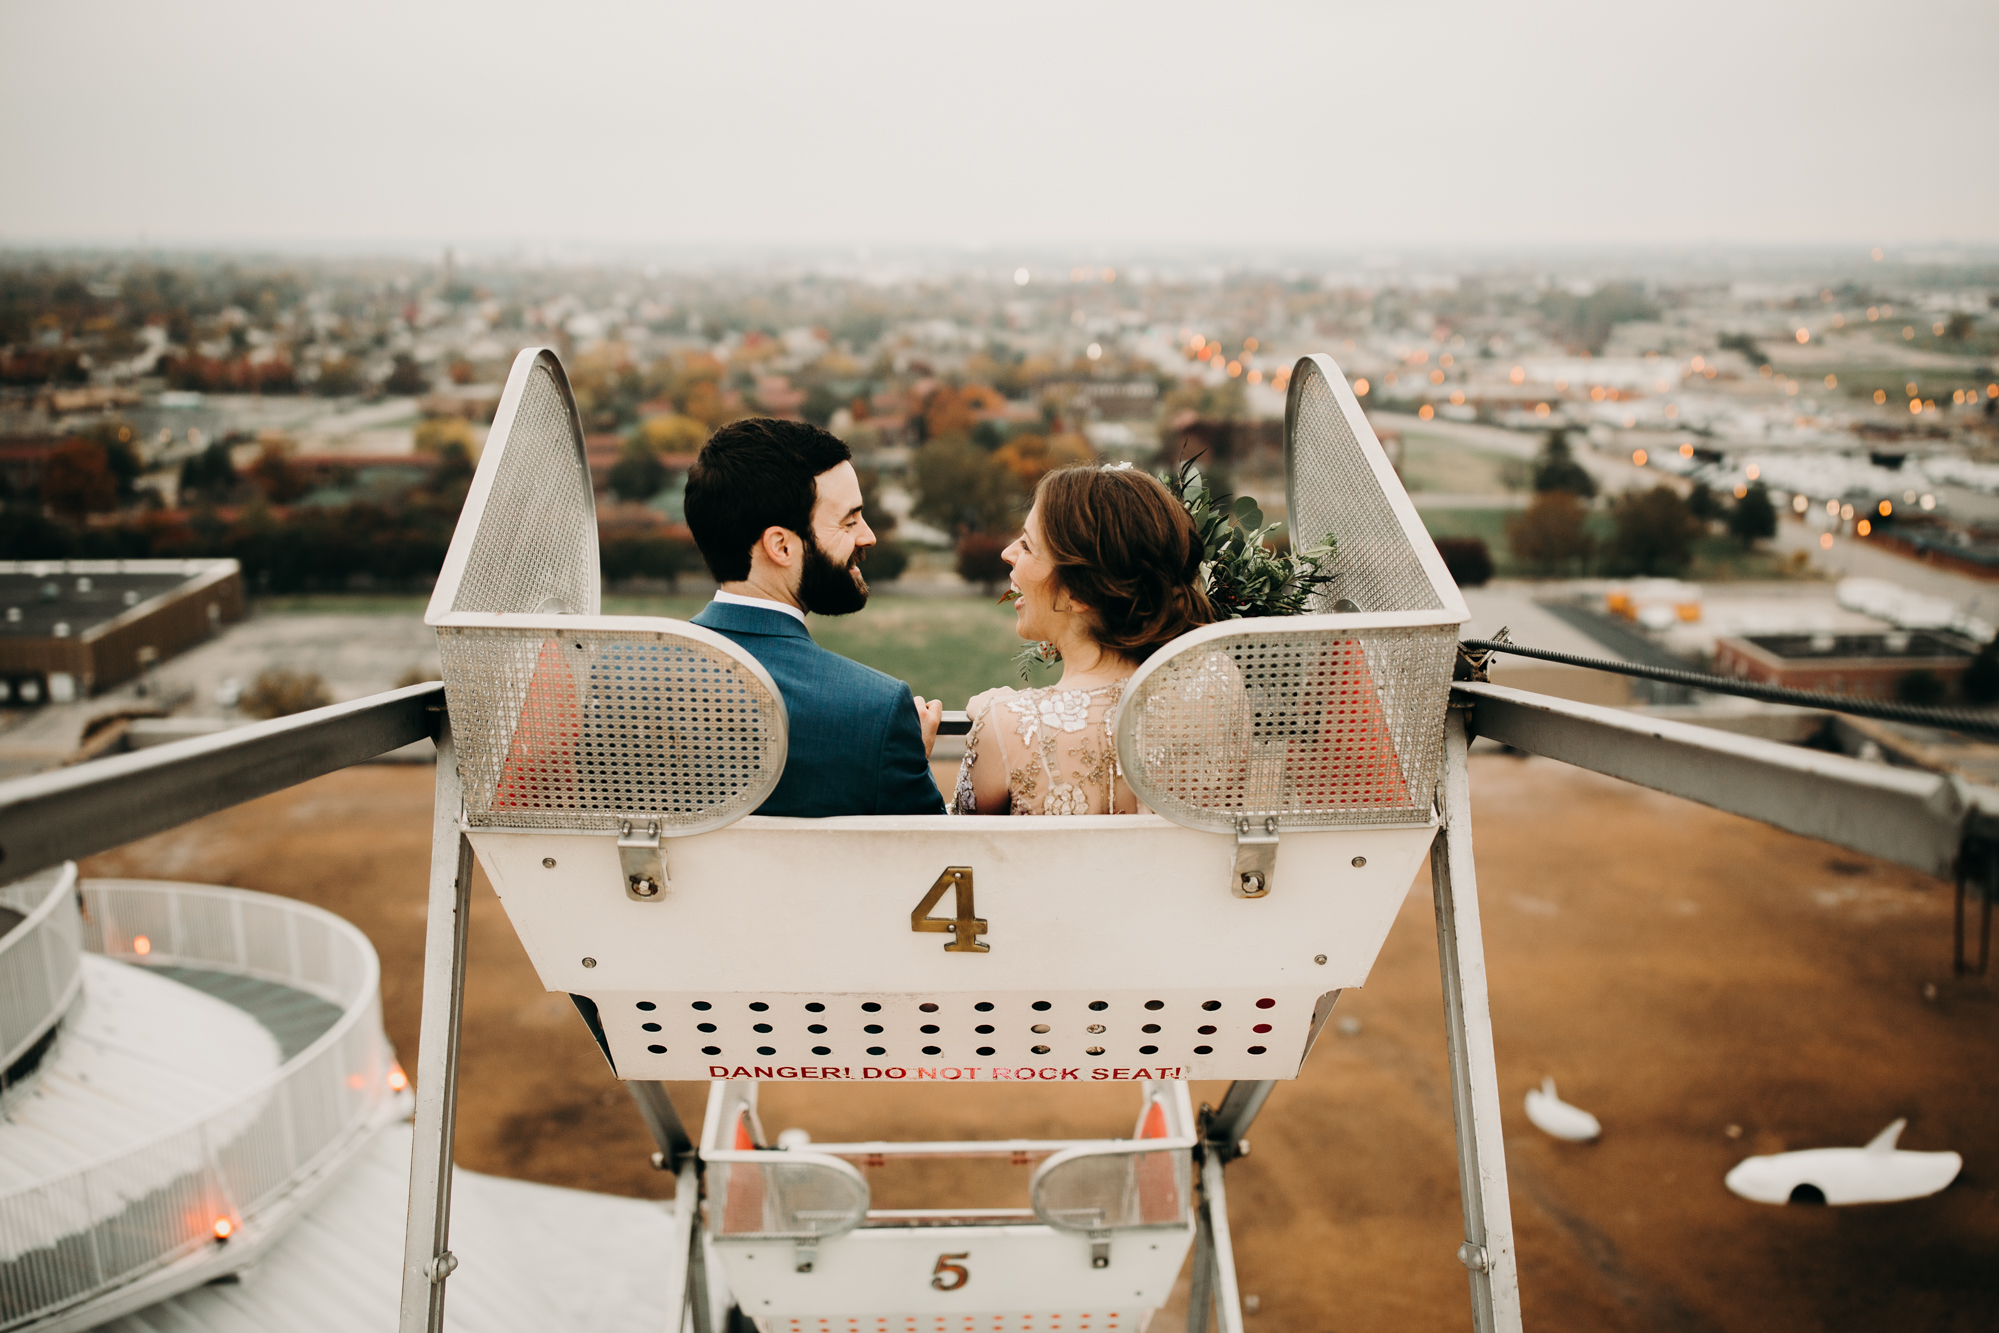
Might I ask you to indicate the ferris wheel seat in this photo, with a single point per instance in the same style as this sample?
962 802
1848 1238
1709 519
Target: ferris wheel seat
1108 1230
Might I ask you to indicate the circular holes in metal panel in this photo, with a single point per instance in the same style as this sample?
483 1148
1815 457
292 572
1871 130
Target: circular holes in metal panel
766 1050
1148 1050
650 1027
877 1050
758 1006
1099 1006
1155 1004
1266 1004
657 1050
1211 1005
711 1050
985 1050
870 1007
933 1050
704 1027
984 1006
927 1007
1039 1050
822 1050
698 1004
1204 1050
1041 1005
649 1006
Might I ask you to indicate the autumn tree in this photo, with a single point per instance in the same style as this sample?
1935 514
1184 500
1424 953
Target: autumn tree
435 434
77 479
1031 457
277 476
1551 536
962 488
1655 531
674 434
949 413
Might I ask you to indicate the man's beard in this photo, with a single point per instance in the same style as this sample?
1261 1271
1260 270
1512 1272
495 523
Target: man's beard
828 589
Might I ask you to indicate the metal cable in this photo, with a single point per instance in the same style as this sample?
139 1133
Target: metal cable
1949 719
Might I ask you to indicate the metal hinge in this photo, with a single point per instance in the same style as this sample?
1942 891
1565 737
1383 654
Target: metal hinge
643 865
1100 1249
442 1267
805 1254
1255 858
1475 1257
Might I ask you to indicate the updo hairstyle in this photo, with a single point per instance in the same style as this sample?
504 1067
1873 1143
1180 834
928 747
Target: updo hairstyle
1125 548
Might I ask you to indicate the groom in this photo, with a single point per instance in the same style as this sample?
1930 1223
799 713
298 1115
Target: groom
776 508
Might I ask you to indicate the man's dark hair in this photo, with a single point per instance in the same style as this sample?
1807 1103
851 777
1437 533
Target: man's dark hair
753 475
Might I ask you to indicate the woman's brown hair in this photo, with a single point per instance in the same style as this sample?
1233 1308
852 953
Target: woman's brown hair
1125 548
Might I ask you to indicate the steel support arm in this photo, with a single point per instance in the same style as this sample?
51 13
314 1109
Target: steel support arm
71 813
1916 819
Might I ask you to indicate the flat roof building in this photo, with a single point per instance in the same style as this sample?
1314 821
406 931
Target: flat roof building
1869 665
69 628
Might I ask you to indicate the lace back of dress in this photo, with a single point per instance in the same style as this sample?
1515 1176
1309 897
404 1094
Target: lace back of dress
1059 750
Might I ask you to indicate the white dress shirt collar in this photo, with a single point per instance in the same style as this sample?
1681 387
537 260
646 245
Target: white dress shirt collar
761 603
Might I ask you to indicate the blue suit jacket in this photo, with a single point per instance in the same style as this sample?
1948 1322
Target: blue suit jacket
856 747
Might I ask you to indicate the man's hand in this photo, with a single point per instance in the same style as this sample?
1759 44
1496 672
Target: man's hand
929 716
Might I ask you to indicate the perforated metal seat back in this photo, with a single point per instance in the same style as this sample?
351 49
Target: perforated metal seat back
527 539
1338 480
1309 720
587 724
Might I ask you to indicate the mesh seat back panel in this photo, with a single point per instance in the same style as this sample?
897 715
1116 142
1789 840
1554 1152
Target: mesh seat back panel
535 546
1105 1191
775 1199
1316 726
1332 487
581 729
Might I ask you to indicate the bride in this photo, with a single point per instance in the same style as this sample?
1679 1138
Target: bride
1106 570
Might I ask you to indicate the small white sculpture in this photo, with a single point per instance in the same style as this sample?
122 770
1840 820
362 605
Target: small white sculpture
1552 1115
1877 1173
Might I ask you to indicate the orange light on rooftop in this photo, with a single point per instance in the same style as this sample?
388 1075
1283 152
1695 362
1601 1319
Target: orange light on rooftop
1596 394
1832 381
1832 508
1541 409
1846 513
1419 358
1446 359
1436 377
1686 451
1457 398
1752 472
1697 363
1880 395
1740 490
1235 369
1517 375
1885 508
1937 328
1915 407
397 1079
1255 377
1638 456
1425 412
1877 254
1874 312
141 945
1804 336
1249 344
1863 527
1825 541
1110 275
1360 388
1908 331
223 1228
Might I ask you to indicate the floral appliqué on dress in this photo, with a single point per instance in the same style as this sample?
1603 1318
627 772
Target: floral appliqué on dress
1059 748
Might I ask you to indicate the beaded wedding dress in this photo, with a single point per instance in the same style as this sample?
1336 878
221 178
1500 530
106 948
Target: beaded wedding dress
1058 749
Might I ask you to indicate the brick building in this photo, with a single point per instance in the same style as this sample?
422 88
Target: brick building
69 628
1869 665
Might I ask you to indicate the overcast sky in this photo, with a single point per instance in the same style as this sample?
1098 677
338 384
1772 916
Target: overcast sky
1329 126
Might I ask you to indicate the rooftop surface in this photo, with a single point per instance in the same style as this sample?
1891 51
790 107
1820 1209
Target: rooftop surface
1888 646
64 605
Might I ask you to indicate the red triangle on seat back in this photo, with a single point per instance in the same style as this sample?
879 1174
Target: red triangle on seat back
540 772
1152 1125
743 1206
1158 1183
1352 761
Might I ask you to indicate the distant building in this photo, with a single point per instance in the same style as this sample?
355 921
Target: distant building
1871 665
69 628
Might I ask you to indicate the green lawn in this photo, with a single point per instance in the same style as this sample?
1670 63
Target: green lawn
946 648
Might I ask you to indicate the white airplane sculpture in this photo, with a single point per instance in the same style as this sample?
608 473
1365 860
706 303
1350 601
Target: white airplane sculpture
1877 1173
1554 1116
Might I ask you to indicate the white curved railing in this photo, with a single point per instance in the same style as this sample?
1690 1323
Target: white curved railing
40 959
123 1216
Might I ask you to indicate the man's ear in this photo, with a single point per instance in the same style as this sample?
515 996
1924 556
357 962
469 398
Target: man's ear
781 546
